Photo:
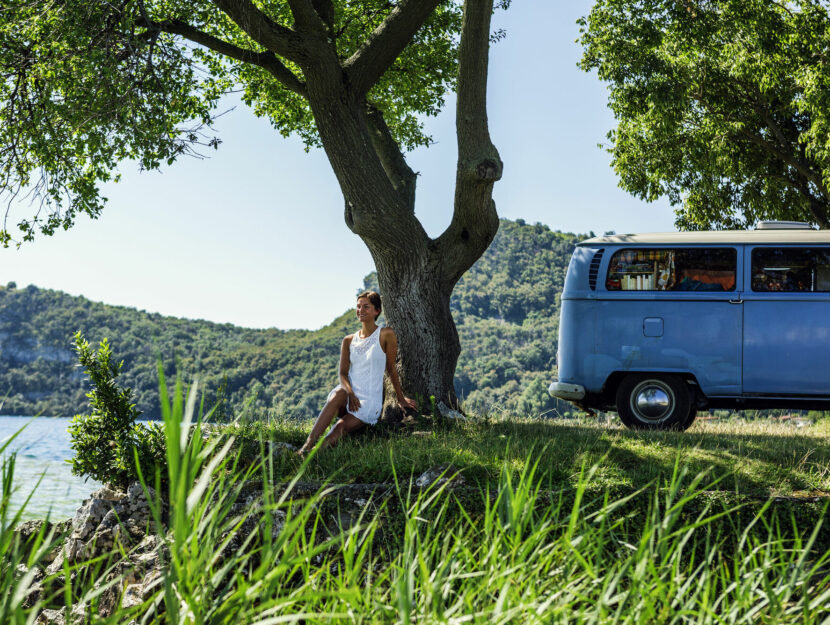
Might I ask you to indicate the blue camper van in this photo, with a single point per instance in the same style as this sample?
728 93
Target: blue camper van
659 326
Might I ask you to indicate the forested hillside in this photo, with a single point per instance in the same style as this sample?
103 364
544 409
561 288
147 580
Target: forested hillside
506 308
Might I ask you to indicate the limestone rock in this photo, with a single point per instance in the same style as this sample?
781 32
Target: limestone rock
57 617
51 617
281 447
113 519
108 517
449 413
32 578
28 530
93 510
438 476
133 596
278 518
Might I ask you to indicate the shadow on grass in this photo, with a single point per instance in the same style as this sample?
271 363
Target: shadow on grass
754 458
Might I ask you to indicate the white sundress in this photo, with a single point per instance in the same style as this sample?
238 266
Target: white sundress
367 363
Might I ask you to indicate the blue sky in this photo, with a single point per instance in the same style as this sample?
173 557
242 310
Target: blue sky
254 234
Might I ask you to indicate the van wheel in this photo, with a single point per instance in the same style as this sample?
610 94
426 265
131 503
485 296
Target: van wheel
654 402
690 419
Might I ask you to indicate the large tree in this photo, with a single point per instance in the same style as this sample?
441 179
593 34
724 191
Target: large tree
86 85
722 105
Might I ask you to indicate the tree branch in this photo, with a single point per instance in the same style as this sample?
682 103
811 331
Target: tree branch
267 60
401 176
802 168
262 29
377 54
325 9
817 207
306 15
819 212
475 221
781 153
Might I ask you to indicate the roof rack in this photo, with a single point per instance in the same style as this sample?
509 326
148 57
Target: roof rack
783 225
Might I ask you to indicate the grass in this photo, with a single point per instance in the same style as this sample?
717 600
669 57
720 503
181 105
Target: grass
563 523
757 458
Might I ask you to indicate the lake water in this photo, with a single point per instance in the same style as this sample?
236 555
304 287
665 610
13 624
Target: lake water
42 449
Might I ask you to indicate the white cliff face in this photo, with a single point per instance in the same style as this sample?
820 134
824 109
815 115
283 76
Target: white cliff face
28 351
27 354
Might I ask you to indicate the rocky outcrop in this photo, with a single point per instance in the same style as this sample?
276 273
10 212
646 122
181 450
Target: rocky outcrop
439 476
107 518
109 522
449 413
30 530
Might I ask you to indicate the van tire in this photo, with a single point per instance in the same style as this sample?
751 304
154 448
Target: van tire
690 419
654 402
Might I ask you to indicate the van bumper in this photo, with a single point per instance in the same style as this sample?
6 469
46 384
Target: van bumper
564 390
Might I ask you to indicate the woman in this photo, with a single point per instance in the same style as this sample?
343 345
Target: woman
364 356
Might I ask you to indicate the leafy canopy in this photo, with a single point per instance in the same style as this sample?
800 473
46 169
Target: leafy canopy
86 85
723 106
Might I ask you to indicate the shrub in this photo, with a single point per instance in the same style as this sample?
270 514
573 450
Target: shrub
107 441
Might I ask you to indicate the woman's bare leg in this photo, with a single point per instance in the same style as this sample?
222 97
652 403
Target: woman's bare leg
347 423
334 407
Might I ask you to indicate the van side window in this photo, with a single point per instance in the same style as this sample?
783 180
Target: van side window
791 269
674 269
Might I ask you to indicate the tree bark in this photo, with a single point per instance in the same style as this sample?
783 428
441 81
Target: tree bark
417 307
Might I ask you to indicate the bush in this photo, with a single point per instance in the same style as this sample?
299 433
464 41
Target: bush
107 441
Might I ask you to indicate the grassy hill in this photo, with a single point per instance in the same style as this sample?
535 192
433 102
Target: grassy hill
506 309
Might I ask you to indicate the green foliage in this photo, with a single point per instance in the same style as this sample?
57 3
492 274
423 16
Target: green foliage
108 441
82 91
89 85
506 309
415 85
723 106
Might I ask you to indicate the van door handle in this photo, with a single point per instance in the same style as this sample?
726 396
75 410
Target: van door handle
736 301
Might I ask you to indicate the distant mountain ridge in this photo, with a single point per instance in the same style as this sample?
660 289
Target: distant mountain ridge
506 309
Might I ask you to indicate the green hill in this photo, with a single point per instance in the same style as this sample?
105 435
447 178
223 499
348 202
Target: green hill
506 309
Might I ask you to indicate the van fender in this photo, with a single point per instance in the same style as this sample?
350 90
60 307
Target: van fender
612 383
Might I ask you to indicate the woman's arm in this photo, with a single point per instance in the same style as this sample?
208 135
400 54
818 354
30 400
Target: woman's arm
389 344
345 364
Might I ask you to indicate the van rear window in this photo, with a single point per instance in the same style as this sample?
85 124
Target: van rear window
791 269
673 269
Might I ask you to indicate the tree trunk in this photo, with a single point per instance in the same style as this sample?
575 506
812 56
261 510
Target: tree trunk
416 303
416 274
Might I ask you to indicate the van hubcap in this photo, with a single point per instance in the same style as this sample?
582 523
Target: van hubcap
652 400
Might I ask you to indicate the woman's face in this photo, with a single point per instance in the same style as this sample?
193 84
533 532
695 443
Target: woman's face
366 311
